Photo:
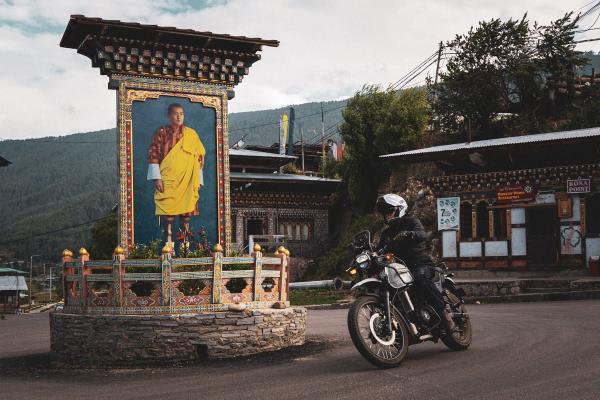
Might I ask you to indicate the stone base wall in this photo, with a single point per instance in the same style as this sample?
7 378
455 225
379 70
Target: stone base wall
490 288
83 339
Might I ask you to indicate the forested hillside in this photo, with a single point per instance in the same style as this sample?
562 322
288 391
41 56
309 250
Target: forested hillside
59 182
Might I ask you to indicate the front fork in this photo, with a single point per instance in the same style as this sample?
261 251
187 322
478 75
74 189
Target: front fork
388 311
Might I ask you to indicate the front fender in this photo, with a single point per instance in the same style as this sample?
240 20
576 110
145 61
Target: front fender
366 282
450 284
368 286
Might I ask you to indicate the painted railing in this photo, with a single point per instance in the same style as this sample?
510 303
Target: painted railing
174 285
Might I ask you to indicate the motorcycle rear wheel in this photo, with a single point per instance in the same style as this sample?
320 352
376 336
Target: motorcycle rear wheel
365 317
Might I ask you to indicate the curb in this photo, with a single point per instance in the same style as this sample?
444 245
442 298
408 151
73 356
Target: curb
517 298
531 297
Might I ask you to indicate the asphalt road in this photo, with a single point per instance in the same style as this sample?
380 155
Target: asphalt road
519 351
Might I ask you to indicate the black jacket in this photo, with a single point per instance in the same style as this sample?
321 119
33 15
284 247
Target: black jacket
411 249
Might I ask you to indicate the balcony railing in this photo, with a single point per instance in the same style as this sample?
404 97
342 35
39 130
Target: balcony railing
174 285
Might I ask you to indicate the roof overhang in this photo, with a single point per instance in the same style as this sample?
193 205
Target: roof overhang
282 178
4 162
509 144
80 26
243 158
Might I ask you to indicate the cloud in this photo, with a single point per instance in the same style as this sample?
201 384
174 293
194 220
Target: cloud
328 50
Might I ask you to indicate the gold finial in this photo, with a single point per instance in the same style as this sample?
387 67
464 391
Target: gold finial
83 252
281 249
119 250
218 248
257 247
167 249
287 252
67 253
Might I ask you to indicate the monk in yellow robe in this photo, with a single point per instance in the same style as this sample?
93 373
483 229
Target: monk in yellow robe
175 162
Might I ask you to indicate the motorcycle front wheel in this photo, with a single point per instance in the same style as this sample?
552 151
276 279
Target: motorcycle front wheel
461 338
366 324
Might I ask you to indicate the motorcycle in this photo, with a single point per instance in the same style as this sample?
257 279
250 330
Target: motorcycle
390 314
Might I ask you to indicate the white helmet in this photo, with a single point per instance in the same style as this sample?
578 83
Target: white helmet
391 203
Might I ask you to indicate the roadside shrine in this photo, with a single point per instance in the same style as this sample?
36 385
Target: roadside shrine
195 300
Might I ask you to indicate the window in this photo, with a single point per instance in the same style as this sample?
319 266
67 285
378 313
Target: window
592 215
499 215
296 230
466 226
483 221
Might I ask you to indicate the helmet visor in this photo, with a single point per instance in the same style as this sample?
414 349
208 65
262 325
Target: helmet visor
385 209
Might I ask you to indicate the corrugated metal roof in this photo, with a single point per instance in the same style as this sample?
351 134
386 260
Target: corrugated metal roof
7 270
280 177
255 153
508 141
12 283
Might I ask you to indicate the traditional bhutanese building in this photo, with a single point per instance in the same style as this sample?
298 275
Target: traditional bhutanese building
265 201
12 283
525 202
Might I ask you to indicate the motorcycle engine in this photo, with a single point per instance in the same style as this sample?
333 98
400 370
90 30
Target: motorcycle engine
428 317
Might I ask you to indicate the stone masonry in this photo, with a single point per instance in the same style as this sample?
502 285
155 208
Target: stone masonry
103 340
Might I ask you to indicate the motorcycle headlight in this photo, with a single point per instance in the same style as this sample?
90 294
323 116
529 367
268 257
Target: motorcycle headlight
353 271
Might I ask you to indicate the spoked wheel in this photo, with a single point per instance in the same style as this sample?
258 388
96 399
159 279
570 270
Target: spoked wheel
461 338
366 323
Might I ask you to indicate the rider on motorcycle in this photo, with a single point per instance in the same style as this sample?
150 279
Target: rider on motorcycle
405 237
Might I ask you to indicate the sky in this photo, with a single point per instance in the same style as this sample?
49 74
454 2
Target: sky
329 49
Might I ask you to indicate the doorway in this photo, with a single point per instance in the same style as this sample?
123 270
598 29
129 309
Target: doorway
541 236
254 226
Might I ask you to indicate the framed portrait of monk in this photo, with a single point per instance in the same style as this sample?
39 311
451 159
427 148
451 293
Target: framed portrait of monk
176 174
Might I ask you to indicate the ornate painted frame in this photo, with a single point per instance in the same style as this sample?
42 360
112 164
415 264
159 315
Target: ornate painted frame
132 89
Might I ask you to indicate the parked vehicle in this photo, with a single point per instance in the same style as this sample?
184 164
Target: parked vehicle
390 314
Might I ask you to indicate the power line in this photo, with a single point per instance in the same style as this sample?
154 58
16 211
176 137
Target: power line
401 80
54 230
417 74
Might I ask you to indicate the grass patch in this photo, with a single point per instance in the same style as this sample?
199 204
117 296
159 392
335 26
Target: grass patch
304 297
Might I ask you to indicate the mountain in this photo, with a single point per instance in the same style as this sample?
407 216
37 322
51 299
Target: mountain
58 182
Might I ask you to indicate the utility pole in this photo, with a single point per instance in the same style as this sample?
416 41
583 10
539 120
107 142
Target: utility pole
302 146
31 277
323 139
437 72
50 290
437 66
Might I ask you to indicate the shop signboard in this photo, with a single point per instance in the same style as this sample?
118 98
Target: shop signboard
579 185
515 194
448 210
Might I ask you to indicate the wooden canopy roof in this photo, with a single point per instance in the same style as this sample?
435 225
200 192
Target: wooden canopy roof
80 27
150 50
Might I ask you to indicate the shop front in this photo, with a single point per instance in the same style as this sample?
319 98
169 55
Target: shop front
530 202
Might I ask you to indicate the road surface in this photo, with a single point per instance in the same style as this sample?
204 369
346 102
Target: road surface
519 351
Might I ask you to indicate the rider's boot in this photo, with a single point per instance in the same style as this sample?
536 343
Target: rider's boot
450 324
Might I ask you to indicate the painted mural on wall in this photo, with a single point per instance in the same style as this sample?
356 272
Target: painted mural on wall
175 170
570 239
448 213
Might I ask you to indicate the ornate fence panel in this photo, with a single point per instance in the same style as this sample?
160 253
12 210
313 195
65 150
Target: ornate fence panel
174 285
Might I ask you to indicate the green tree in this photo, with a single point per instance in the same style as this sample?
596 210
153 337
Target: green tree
104 237
506 67
377 122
